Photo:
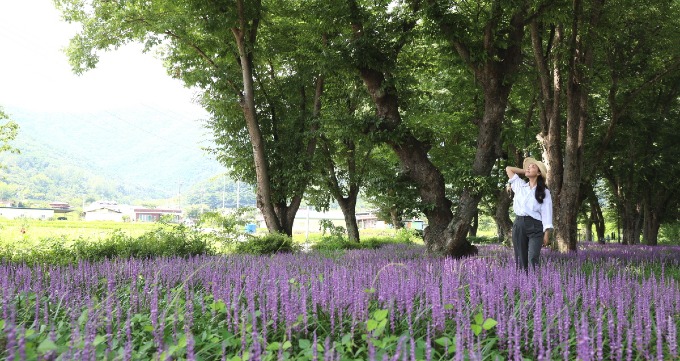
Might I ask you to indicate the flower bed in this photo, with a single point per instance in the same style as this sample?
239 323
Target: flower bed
603 303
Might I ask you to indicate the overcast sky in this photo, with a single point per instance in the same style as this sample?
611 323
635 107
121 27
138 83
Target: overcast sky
35 73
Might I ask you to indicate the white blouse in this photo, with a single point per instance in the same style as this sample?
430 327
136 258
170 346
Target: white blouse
525 203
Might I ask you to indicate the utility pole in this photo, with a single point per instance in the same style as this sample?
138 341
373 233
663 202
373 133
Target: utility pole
224 185
179 198
238 193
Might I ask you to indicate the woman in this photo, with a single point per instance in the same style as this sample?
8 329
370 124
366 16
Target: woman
533 206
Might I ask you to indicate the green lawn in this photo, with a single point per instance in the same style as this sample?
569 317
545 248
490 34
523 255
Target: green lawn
27 232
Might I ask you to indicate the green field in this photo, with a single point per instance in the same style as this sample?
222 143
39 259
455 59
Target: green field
27 232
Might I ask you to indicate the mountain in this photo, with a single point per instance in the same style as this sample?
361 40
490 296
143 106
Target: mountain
140 153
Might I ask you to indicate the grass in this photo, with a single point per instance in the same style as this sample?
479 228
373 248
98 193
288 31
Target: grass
28 232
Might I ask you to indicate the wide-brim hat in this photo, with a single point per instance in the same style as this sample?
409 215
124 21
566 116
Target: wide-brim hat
539 164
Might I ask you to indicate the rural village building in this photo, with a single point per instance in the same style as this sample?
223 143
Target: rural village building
57 210
310 220
112 211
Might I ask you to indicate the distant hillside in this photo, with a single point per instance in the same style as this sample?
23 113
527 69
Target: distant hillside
140 154
144 148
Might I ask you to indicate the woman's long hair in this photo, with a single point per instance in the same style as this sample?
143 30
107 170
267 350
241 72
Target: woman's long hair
540 189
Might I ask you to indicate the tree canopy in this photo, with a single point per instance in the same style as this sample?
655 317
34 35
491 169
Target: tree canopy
310 94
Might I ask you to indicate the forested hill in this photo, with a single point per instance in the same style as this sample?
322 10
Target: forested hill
143 153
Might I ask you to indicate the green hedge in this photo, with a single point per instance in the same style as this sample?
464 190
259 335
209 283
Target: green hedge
267 244
164 241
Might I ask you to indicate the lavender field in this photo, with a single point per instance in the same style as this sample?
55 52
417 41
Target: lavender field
603 303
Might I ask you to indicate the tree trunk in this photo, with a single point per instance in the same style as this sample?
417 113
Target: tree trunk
565 186
348 207
598 219
495 76
588 231
630 223
651 225
244 38
502 217
347 203
395 217
474 225
488 147
278 216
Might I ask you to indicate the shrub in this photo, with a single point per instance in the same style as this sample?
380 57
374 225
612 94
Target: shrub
335 243
267 244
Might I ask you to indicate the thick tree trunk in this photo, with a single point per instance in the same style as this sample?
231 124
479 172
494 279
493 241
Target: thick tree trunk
395 218
631 223
588 231
488 147
415 163
474 225
348 207
651 230
565 186
651 225
247 102
278 216
502 217
494 75
598 219
347 203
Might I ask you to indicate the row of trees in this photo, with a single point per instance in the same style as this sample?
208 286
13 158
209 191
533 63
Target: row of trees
422 103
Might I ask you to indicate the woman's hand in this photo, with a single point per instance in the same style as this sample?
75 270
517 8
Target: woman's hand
511 171
546 238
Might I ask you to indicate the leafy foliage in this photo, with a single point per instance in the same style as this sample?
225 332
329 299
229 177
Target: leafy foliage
8 131
266 245
166 240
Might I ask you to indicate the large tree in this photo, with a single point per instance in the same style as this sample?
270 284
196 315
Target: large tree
264 95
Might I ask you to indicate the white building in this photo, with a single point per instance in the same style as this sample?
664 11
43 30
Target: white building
23 212
112 211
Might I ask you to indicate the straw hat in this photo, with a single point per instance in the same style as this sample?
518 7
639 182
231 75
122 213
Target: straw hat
540 165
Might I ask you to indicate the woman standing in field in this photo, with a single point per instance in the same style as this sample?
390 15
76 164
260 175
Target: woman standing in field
532 205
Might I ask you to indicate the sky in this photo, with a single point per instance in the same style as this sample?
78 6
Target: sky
39 88
35 73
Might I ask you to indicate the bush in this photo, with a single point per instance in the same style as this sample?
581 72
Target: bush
670 233
336 243
166 240
267 244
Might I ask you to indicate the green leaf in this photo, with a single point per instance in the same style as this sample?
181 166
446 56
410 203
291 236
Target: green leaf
218 306
371 325
380 329
182 342
476 329
479 318
287 345
489 323
46 345
443 341
305 344
369 290
380 315
99 339
274 346
83 317
448 306
148 328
